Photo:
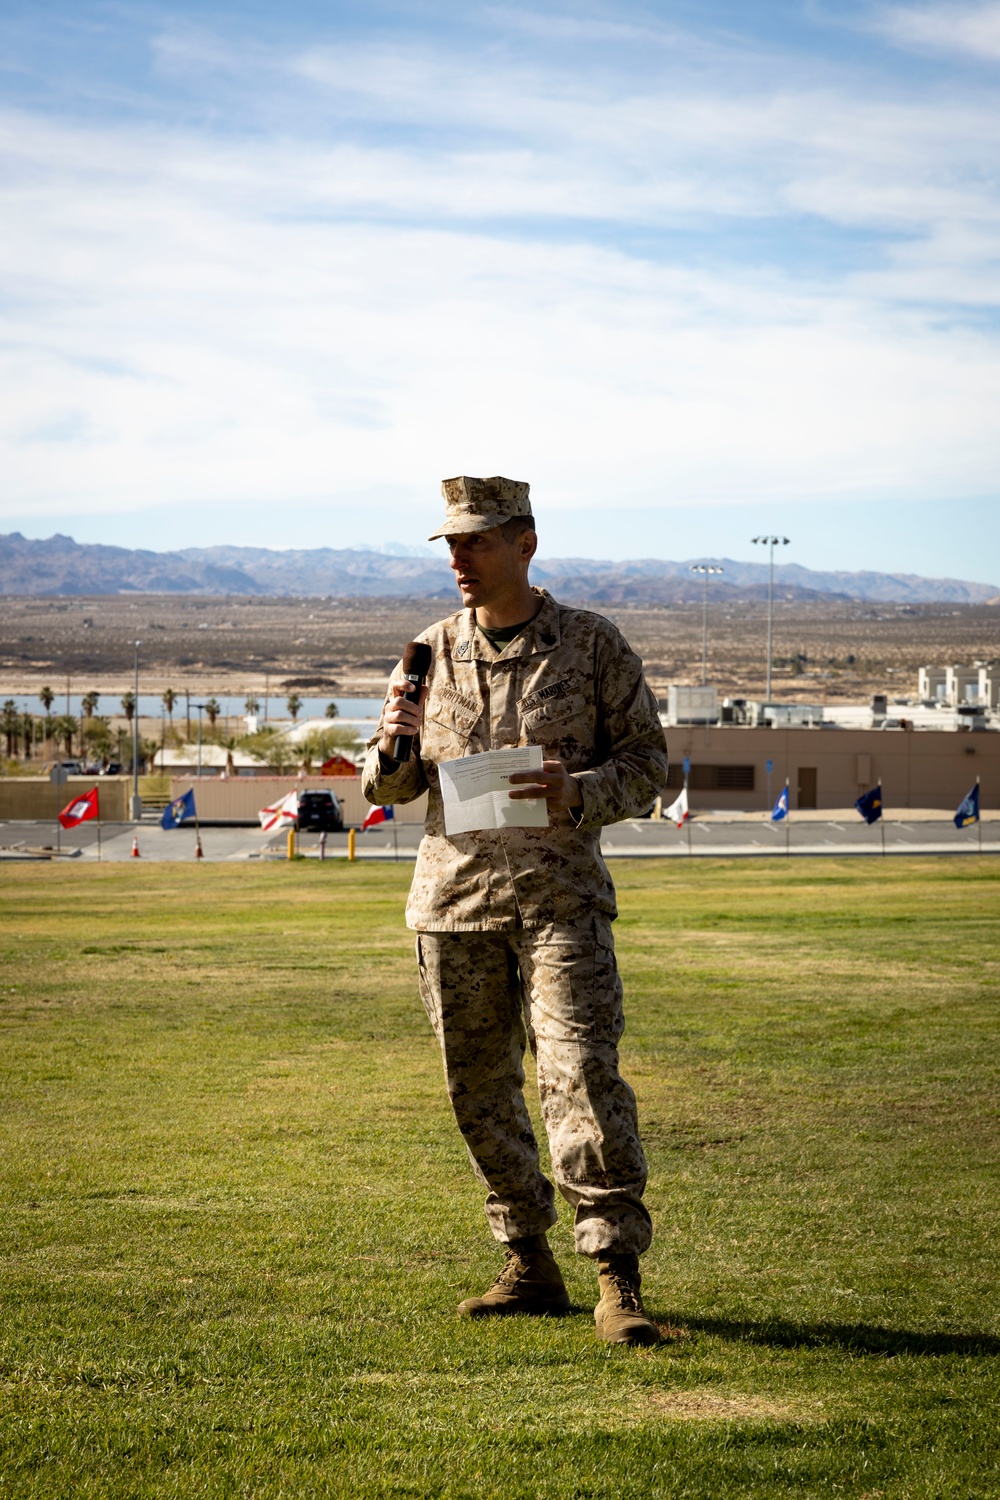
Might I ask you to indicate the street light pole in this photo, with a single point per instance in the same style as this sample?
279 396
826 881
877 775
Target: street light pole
704 570
200 707
770 542
136 805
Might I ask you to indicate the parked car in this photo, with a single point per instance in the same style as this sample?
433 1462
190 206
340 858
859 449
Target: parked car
72 767
320 812
113 768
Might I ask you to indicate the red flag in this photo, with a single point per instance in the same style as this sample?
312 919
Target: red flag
80 809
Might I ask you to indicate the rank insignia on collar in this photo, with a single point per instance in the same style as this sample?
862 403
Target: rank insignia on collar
462 649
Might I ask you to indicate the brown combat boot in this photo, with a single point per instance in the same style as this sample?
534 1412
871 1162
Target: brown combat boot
530 1282
620 1316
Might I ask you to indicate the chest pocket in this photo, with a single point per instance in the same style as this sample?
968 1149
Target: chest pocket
448 725
565 724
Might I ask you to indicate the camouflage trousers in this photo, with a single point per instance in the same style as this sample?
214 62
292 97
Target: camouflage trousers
557 989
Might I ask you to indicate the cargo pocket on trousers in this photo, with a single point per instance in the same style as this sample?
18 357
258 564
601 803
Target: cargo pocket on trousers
609 1010
429 993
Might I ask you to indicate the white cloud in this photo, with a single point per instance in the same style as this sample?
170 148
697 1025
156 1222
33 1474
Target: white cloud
973 30
276 317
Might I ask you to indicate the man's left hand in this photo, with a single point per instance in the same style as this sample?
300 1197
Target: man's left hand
553 782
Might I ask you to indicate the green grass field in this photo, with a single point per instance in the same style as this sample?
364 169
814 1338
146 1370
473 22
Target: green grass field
237 1216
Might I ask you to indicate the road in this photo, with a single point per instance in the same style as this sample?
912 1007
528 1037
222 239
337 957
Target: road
707 836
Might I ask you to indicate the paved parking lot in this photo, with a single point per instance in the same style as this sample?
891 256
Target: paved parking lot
705 836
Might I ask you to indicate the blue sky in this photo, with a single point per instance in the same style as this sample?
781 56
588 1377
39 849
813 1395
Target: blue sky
694 270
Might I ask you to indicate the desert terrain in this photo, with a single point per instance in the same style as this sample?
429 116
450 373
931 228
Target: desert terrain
830 650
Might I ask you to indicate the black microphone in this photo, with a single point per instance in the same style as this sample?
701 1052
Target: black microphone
416 663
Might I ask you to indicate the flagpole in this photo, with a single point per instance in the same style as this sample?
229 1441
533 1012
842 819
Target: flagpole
98 827
881 820
788 818
687 819
979 819
395 838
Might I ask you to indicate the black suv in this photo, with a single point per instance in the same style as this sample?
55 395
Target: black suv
319 812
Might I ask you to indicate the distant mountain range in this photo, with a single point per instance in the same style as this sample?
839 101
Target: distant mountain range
58 565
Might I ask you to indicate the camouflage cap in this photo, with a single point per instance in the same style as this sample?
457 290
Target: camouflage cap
480 504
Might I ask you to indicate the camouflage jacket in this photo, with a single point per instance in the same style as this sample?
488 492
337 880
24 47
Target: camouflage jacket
568 682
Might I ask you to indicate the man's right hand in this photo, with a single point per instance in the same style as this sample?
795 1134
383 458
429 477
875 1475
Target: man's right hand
401 717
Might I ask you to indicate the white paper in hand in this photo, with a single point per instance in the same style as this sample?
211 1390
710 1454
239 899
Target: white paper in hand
475 790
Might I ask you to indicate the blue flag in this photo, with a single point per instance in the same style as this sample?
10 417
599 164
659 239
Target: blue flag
179 810
780 809
968 811
870 805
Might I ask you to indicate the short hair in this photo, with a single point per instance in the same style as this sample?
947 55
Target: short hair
510 530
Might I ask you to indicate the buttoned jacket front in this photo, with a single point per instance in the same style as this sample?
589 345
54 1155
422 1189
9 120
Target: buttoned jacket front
568 682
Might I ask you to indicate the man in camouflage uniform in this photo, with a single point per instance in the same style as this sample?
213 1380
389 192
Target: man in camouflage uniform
513 925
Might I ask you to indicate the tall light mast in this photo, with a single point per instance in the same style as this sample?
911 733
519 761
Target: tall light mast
706 572
770 542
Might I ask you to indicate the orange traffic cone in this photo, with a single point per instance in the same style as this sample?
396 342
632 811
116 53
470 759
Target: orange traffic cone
197 850
135 848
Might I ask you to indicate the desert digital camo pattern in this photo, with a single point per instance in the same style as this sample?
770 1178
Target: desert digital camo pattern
570 683
480 504
557 988
514 924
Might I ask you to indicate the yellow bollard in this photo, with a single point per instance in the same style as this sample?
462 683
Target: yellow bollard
351 836
291 843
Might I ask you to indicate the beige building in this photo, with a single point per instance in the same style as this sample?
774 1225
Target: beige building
830 768
826 768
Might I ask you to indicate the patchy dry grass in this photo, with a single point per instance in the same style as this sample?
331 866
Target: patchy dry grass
236 1215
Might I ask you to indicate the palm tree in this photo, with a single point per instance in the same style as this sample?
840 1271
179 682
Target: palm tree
10 725
294 704
89 703
128 709
64 728
47 697
97 734
252 704
28 731
213 708
332 711
229 745
169 699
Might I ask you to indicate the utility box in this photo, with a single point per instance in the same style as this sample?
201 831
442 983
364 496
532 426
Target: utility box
962 684
978 684
692 705
932 686
785 715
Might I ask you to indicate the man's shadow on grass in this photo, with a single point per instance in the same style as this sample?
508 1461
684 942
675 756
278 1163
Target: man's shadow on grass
859 1338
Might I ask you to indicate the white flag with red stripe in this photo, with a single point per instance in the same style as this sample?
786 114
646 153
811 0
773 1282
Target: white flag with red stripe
282 815
677 812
